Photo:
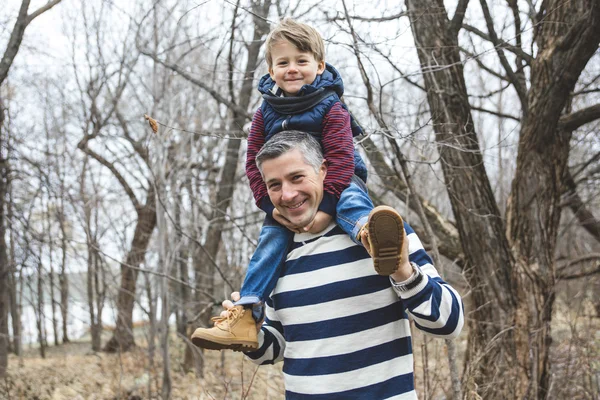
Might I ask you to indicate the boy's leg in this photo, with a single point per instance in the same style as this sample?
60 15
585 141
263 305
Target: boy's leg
353 208
265 266
238 330
383 225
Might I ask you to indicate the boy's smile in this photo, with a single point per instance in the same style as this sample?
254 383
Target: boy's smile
291 68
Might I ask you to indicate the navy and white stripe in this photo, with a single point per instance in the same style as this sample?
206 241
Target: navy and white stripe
341 330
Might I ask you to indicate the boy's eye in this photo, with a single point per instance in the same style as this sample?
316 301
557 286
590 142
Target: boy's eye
282 63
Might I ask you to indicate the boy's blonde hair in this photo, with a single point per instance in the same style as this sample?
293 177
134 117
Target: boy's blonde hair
304 37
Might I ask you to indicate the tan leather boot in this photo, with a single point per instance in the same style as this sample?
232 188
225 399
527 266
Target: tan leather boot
236 331
385 233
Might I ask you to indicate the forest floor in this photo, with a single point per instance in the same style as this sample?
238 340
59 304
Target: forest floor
73 372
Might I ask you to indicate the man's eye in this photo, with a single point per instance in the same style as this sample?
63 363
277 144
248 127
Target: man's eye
273 186
297 177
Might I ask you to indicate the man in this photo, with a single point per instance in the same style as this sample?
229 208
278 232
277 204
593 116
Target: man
341 329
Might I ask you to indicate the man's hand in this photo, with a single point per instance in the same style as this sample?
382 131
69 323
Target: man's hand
228 305
320 222
285 222
404 270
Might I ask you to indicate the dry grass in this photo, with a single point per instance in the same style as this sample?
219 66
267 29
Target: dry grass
73 372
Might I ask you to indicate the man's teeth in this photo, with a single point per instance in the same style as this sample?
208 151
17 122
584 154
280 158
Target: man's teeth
296 205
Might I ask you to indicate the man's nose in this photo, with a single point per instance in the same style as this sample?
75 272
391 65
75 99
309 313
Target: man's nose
287 193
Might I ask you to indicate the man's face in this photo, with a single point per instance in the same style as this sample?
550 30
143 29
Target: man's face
291 68
294 187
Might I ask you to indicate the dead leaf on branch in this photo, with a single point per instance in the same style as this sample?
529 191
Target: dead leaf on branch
152 122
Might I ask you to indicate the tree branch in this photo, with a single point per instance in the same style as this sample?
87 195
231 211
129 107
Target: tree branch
573 200
521 91
83 145
220 99
365 19
459 15
572 121
561 272
513 49
497 114
14 42
484 67
42 10
16 36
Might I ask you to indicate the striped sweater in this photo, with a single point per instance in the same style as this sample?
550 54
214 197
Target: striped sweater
341 330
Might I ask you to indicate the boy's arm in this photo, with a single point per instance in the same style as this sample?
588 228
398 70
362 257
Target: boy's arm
435 306
338 149
256 139
271 342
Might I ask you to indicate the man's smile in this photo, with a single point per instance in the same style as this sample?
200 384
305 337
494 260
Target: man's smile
297 205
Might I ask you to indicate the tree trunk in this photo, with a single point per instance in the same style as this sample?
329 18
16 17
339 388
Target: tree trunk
40 317
512 285
99 292
122 339
477 216
15 304
4 267
567 39
63 278
52 298
53 302
203 269
182 293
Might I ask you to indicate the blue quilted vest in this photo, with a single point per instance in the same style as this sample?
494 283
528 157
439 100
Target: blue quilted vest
306 111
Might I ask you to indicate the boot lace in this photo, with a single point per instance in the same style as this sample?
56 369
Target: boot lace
232 315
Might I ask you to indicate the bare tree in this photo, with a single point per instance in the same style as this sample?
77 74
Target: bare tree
513 286
4 266
12 48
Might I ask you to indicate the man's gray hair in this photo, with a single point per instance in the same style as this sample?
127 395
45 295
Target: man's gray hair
286 141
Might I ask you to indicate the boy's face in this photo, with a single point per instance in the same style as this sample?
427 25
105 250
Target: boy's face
292 68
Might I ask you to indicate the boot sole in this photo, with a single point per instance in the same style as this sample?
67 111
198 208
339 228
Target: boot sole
386 235
213 343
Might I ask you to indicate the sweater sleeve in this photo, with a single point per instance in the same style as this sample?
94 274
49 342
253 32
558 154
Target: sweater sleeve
256 139
435 306
338 149
271 342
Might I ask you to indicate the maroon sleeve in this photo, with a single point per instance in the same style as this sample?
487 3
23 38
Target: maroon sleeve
338 149
256 139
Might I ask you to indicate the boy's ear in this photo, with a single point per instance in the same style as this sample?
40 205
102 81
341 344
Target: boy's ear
321 67
271 73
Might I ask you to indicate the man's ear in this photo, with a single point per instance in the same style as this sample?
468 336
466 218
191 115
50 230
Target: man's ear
321 67
323 168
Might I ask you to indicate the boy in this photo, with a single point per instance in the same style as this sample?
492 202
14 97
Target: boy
302 92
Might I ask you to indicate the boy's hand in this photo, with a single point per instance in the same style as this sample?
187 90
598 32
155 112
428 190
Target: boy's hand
228 305
320 222
285 222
